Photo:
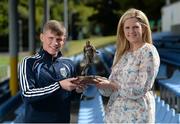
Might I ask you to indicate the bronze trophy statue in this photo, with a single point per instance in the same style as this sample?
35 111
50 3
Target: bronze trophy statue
89 52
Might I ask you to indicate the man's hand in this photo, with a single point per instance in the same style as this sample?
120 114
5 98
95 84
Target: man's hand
80 86
68 84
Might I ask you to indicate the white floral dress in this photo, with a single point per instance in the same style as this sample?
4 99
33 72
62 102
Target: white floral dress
134 101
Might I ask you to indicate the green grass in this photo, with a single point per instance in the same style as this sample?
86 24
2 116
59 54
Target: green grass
73 47
4 59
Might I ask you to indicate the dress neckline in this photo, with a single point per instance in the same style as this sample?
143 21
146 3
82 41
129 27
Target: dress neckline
135 51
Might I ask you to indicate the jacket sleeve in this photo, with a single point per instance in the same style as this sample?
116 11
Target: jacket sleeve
28 83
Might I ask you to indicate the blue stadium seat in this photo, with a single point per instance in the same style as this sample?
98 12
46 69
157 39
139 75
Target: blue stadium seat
165 114
162 74
175 119
19 112
111 48
105 60
166 40
170 57
91 110
175 78
169 115
78 58
72 58
10 105
160 108
158 37
170 90
159 103
162 113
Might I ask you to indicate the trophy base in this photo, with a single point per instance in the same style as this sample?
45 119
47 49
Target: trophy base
88 80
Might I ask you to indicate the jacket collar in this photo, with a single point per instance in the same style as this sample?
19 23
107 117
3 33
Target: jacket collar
45 55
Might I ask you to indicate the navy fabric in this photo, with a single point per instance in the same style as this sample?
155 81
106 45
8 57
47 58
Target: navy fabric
45 100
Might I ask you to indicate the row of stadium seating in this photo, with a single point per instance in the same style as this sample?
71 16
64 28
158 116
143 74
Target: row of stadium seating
168 79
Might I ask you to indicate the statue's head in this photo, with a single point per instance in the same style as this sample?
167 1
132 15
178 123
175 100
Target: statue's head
88 42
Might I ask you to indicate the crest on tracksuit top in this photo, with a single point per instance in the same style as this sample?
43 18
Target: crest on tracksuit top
63 72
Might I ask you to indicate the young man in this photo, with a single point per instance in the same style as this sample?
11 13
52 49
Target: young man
47 79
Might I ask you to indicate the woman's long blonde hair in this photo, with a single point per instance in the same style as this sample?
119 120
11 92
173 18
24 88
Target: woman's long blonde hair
122 45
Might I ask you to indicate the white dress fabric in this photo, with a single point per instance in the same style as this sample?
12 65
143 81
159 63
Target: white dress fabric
134 101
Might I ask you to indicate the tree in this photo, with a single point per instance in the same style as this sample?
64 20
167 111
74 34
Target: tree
85 16
3 17
105 17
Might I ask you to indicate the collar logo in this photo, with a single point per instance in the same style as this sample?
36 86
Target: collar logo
63 72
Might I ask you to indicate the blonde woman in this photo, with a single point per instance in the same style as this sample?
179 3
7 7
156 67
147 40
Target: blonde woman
134 70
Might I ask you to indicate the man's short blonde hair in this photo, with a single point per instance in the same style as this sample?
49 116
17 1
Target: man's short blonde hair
55 27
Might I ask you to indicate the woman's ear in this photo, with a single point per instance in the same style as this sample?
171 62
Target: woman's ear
143 29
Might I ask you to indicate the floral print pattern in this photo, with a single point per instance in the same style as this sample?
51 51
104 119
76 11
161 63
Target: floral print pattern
134 101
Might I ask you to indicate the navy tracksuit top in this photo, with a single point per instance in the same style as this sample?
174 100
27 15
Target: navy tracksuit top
44 99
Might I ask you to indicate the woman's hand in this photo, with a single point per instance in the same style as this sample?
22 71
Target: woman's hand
104 83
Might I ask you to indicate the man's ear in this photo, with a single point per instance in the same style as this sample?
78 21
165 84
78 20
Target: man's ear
41 37
65 38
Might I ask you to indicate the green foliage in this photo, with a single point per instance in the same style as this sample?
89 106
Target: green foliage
23 9
85 13
152 8
90 14
39 14
3 17
106 17
57 11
